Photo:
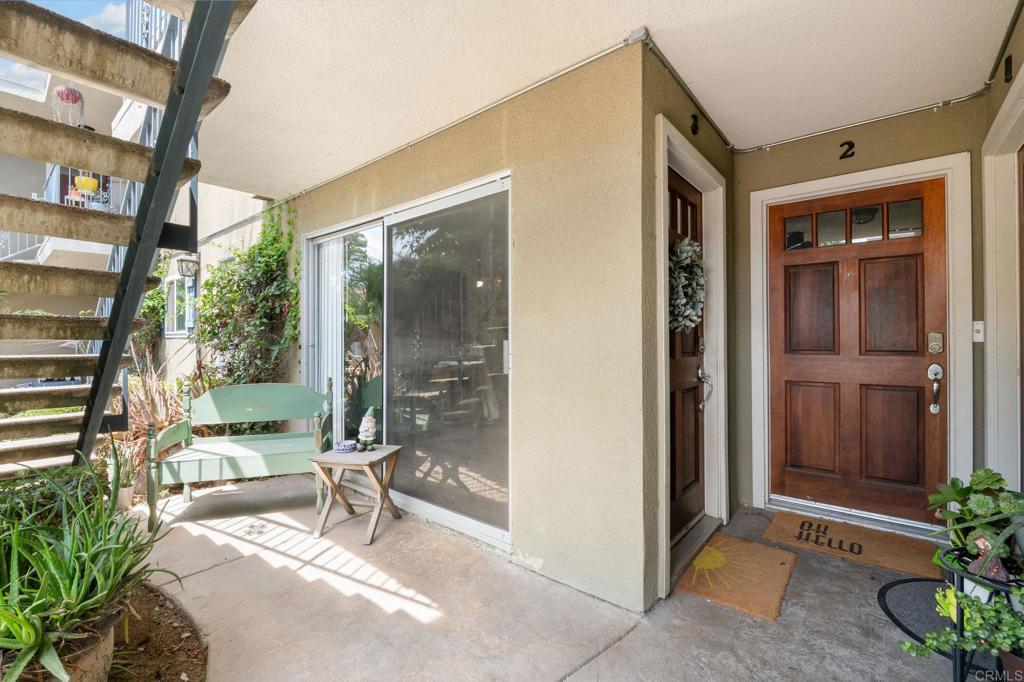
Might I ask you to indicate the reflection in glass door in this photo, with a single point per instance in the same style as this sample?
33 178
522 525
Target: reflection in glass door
447 341
349 325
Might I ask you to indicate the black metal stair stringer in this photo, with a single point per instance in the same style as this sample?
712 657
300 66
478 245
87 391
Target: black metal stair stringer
199 57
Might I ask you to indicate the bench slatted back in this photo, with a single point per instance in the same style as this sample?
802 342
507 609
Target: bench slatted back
257 403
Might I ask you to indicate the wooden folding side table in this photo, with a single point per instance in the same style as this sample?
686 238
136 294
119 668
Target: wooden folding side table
366 462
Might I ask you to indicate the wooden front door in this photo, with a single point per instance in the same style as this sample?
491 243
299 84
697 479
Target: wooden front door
686 390
857 285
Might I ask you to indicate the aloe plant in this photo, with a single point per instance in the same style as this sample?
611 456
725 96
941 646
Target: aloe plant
67 560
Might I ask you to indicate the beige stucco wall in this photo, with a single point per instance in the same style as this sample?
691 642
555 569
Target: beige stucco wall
218 208
662 95
577 381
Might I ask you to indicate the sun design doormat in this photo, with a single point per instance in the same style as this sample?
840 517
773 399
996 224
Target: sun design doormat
743 575
864 545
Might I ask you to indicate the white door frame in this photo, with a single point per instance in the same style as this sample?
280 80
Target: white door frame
673 150
956 169
1002 286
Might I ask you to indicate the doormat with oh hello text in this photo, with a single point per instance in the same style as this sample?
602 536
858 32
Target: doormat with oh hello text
864 545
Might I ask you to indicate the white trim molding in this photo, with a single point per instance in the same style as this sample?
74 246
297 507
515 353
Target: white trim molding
1002 286
675 151
956 170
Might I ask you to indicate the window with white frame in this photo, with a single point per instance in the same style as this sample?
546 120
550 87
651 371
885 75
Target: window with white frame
179 318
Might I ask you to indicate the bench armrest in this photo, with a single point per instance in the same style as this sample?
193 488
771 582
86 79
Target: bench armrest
180 432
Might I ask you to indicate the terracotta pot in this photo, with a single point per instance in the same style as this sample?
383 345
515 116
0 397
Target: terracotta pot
89 661
1013 666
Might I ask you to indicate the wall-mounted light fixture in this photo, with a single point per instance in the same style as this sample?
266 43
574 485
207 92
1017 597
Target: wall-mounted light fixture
188 267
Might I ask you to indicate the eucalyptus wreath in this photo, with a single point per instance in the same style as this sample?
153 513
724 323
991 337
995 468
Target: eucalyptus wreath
686 285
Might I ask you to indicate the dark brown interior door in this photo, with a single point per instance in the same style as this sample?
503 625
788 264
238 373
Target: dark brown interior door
857 285
686 356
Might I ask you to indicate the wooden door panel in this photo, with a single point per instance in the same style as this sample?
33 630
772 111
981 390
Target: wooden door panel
812 302
686 354
892 433
812 426
849 324
684 438
892 305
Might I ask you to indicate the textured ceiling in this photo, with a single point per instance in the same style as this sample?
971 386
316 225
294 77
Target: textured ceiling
320 87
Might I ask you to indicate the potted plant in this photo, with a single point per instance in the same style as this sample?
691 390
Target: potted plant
123 473
68 561
983 520
994 626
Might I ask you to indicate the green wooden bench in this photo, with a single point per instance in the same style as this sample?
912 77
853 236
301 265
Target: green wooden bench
236 457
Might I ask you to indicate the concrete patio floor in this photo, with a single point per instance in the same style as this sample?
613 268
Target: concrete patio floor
423 603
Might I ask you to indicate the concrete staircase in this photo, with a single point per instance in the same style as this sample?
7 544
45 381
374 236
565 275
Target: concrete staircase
37 37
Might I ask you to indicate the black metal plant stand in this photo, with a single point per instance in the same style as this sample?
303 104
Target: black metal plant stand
954 563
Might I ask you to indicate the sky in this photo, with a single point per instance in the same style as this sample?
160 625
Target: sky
104 15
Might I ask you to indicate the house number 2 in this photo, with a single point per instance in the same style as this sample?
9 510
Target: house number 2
847 148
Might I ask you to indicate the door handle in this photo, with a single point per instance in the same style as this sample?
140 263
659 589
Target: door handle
704 378
935 373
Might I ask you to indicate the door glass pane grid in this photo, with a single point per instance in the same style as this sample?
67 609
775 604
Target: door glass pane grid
857 225
866 224
906 219
831 228
799 233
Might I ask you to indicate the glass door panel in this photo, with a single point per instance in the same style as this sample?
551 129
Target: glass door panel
350 286
447 341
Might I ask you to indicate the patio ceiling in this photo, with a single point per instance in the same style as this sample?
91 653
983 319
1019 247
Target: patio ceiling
321 87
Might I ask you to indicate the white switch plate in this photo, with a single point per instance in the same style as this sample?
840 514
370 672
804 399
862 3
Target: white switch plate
978 331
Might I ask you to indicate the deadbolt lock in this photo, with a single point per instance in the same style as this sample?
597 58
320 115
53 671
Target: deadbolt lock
935 343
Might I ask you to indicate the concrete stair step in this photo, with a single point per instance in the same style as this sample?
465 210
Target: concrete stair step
41 426
24 326
52 42
68 222
18 468
27 450
29 278
15 400
34 137
183 9
50 366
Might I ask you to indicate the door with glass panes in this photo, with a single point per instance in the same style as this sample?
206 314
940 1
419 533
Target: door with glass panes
859 400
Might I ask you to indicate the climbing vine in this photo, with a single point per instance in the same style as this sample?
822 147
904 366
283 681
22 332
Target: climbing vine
248 307
154 303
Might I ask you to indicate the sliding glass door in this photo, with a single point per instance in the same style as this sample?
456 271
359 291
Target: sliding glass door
412 314
348 343
447 336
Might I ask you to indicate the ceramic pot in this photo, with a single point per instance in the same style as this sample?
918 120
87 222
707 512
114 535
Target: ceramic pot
1013 666
124 498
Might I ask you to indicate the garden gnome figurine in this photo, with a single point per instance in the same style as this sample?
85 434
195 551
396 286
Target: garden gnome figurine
368 430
